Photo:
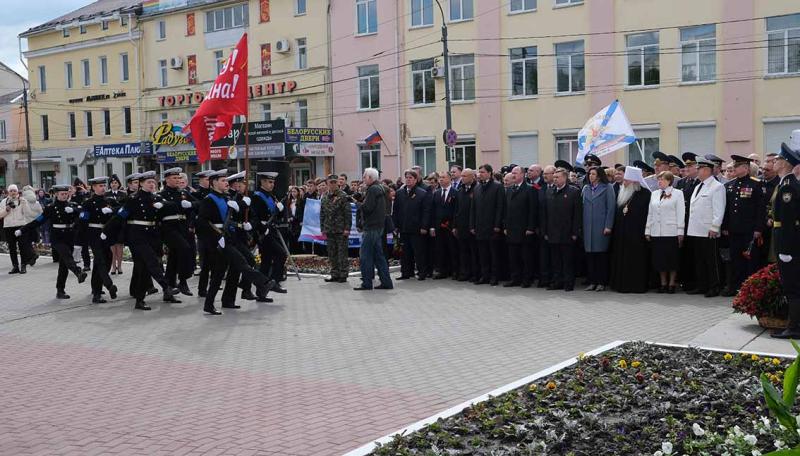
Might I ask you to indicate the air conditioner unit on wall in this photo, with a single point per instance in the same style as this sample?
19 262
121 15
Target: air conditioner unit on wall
287 118
282 46
176 63
437 72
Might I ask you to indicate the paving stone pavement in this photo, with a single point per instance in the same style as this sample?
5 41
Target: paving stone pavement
321 371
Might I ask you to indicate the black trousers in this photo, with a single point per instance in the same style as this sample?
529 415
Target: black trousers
247 254
489 256
87 260
545 267
686 272
467 256
447 255
147 256
562 257
273 257
18 244
66 263
230 260
790 275
414 254
706 262
205 265
597 268
531 246
521 263
742 267
102 262
181 256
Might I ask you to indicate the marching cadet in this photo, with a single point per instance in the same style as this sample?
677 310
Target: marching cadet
744 222
335 220
786 231
201 192
242 236
216 226
178 205
96 212
140 215
62 215
268 211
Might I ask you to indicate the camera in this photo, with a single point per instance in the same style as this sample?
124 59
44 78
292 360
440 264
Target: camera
12 204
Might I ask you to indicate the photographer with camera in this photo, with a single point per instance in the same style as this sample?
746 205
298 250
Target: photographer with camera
16 211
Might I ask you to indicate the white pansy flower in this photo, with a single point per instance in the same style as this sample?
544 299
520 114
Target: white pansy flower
658 453
765 420
698 431
779 444
737 430
751 439
756 453
666 447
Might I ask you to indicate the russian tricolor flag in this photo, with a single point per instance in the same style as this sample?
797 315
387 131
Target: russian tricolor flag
374 138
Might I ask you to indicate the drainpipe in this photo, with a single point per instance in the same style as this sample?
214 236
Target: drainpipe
139 77
330 76
399 90
25 107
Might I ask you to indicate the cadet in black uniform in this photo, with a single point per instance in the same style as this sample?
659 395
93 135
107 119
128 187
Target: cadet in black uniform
62 215
744 222
216 227
140 214
786 234
178 205
81 195
199 194
267 211
242 236
95 214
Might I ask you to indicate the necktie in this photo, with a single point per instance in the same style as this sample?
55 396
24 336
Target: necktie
663 194
699 187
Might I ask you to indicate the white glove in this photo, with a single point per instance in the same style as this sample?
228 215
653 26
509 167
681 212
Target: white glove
106 210
246 200
247 226
233 205
221 242
103 236
264 223
158 205
785 258
69 210
18 233
280 206
186 204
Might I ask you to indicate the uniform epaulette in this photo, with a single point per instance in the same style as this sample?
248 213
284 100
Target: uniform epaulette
755 179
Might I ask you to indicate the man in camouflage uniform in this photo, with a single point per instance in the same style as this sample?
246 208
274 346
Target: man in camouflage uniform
335 219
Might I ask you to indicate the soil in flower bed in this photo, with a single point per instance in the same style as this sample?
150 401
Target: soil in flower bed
637 399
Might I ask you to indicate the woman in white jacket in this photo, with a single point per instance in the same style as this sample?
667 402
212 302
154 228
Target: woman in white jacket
664 230
17 211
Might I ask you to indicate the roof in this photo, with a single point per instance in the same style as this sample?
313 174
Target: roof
90 11
10 97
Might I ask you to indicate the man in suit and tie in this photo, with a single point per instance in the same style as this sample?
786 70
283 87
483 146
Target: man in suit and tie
486 221
442 223
707 210
455 176
561 227
411 216
467 249
520 222
545 272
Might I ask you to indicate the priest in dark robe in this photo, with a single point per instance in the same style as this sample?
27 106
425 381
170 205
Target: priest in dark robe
629 249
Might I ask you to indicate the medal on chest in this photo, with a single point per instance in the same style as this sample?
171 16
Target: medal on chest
787 197
625 210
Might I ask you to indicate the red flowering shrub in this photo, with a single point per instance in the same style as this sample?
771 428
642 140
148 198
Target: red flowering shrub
762 295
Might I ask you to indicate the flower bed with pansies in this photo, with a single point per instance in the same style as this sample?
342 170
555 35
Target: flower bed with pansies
635 399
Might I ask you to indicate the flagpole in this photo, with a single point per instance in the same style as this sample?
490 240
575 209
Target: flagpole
641 152
379 133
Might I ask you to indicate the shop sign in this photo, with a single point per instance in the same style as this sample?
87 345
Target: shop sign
272 88
314 149
168 134
270 132
98 97
309 135
182 99
123 150
189 156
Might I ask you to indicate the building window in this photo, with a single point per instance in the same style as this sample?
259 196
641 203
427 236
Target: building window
89 172
567 148
123 63
162 30
568 2
106 122
68 74
421 13
109 169
266 111
783 34
127 168
302 54
227 18
162 73
300 7
2 130
86 70
82 28
370 156
461 10
219 61
647 144
462 154
65 32
164 116
425 157
126 113
302 113
519 6
87 115
367 15
71 123
524 148
524 76
191 113
103 70
570 69
368 87
73 172
42 79
45 127
422 79
123 21
104 25
698 53
643 59
462 77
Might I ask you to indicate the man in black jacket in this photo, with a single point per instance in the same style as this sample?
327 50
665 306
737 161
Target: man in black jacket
412 214
486 223
520 222
467 250
444 210
561 226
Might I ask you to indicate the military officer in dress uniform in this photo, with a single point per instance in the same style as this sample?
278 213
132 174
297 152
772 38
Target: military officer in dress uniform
96 212
744 223
687 185
335 219
178 209
707 210
786 231
62 215
267 211
661 162
140 216
717 167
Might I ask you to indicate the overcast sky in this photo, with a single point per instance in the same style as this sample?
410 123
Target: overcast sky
20 15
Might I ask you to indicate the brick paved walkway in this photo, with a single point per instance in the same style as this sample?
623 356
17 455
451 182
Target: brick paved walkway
321 371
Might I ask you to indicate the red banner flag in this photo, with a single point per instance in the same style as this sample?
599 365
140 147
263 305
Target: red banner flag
226 98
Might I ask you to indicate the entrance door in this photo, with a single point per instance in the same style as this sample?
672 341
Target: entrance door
47 179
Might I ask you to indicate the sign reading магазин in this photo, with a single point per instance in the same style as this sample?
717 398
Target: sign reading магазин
123 150
267 132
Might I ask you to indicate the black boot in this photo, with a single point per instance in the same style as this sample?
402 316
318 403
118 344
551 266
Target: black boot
140 305
169 295
152 290
33 259
263 299
112 291
60 294
248 295
23 269
81 275
183 287
231 306
278 289
211 310
98 299
14 270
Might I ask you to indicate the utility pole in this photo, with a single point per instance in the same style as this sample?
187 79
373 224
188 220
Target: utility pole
27 132
445 54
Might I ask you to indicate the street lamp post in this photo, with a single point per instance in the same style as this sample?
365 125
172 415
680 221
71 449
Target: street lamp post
445 55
